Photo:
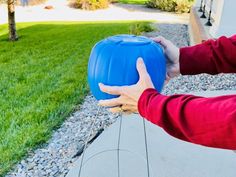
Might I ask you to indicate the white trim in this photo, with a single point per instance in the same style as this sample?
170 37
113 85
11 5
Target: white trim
224 23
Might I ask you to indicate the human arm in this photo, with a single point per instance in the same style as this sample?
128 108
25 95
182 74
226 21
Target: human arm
212 57
206 121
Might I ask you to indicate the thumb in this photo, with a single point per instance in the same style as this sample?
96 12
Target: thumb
142 71
144 78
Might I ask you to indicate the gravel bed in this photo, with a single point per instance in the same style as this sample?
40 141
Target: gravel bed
56 157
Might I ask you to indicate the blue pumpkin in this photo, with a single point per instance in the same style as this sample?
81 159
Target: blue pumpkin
113 62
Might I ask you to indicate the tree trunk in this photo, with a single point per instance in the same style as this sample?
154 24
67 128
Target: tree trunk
11 20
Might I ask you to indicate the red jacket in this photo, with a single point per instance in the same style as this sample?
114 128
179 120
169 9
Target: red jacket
206 121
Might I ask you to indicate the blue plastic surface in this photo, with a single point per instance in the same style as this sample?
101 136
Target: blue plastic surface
113 62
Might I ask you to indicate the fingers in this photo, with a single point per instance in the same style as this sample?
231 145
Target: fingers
116 109
119 110
158 39
161 40
122 100
127 109
167 79
110 102
144 78
142 71
113 90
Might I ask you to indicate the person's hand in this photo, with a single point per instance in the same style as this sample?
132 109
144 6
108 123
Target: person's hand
172 54
128 95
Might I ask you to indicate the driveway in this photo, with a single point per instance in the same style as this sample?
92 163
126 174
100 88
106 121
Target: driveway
62 12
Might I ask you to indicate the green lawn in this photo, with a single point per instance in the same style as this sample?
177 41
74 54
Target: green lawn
42 79
141 2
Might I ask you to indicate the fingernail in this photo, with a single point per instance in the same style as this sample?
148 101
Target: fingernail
140 60
100 84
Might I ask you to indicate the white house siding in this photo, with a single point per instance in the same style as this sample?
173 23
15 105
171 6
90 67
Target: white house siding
223 15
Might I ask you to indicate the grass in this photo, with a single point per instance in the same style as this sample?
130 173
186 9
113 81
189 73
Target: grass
140 2
42 79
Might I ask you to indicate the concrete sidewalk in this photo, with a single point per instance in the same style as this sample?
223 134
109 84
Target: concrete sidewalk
168 157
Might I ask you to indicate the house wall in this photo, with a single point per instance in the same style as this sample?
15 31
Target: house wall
223 17
225 23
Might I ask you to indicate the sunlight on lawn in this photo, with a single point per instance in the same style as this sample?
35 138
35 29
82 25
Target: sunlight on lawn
43 78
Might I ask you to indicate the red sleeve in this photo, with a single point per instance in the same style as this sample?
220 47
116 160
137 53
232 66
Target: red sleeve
206 121
212 57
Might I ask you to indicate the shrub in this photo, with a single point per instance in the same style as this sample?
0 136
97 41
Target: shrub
92 4
183 6
179 6
139 28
